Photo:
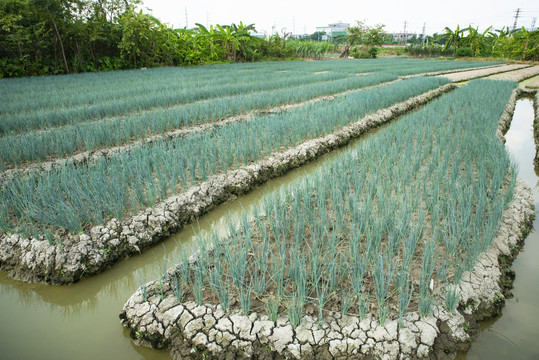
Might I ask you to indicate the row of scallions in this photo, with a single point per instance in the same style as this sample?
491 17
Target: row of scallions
75 197
388 227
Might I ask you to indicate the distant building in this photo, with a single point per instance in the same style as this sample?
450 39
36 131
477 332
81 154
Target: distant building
334 29
401 37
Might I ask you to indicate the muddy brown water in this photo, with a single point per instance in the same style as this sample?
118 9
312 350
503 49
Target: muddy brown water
515 334
80 321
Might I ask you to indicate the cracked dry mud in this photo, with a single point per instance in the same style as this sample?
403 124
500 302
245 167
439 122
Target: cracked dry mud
32 260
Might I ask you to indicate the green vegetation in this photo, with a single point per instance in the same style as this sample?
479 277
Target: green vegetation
117 108
310 49
75 196
69 36
104 133
362 40
519 44
389 226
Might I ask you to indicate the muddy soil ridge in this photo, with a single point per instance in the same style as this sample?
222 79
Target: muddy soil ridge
195 332
481 72
35 260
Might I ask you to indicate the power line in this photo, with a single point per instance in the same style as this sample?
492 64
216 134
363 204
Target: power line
516 19
405 32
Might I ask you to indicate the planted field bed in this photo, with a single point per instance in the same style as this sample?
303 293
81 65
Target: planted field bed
473 74
76 218
386 251
51 209
76 122
517 75
107 132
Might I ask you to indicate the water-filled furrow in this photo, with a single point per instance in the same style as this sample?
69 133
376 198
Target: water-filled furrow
514 333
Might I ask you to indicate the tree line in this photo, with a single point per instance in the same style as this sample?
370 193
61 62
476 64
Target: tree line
517 44
42 37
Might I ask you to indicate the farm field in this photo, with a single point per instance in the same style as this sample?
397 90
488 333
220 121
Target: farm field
72 123
390 226
89 178
93 196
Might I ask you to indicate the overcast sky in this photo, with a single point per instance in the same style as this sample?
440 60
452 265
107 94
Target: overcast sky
304 16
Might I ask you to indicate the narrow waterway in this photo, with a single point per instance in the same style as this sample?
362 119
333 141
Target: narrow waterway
514 334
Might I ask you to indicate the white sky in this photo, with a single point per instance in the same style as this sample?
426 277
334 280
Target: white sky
307 15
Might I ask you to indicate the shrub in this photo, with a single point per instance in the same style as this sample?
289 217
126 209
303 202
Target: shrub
373 51
464 52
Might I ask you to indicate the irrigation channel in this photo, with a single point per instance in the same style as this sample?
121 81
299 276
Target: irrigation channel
80 321
514 334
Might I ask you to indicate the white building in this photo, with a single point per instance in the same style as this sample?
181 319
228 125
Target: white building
334 29
401 37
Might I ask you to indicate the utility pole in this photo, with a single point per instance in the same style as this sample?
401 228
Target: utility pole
186 22
405 39
533 24
423 35
293 26
207 19
516 19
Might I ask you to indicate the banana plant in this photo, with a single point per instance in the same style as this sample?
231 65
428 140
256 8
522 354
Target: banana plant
524 36
474 39
454 39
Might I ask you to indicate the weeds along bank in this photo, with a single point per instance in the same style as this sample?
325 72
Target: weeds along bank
390 250
78 198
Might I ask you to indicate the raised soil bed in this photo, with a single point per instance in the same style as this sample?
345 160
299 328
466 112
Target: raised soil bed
197 332
32 260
